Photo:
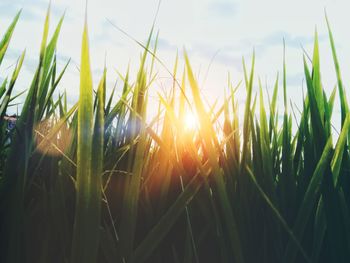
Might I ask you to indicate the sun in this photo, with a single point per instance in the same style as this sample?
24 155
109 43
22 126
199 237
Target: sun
190 121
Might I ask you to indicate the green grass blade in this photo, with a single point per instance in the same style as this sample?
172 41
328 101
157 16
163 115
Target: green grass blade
156 235
278 215
309 201
339 150
7 37
343 100
86 226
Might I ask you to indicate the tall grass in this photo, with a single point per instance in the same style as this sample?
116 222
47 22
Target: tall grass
97 182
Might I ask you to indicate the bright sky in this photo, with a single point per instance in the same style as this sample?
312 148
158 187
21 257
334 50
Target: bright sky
230 27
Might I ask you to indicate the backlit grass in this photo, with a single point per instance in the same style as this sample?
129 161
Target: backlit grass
103 182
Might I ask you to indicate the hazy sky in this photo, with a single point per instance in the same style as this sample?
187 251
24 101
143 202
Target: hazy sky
230 29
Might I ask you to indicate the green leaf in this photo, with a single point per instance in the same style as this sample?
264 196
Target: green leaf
87 208
7 37
309 201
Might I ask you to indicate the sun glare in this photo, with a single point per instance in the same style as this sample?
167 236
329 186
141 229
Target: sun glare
191 121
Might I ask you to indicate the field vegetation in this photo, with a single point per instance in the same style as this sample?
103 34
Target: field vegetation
100 181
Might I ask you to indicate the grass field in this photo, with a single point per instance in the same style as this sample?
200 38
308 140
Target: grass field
104 182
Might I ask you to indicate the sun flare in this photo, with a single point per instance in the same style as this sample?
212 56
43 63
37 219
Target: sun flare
190 121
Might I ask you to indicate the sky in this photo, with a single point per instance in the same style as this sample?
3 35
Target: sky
215 33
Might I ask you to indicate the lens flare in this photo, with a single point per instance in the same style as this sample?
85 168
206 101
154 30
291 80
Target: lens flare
55 146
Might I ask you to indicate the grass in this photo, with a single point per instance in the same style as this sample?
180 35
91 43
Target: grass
97 182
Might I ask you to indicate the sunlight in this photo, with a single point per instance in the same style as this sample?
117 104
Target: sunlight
191 121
